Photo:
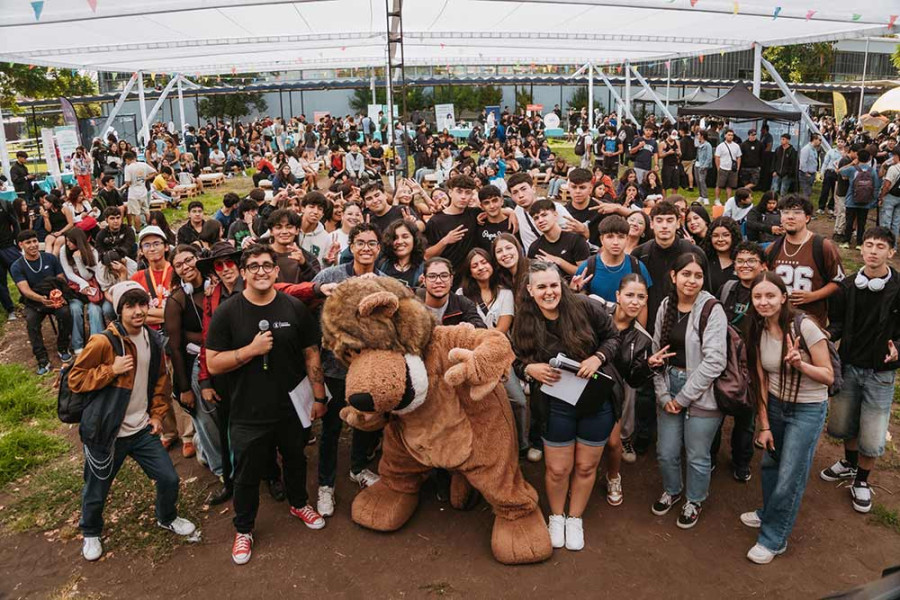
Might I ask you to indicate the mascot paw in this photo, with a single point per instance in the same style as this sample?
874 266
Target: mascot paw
521 541
363 421
465 371
380 508
462 495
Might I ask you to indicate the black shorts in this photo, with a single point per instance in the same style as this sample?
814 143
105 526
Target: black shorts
671 178
565 427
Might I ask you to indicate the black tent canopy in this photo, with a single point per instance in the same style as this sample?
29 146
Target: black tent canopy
740 103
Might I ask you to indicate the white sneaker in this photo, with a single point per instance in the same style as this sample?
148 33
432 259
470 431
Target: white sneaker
628 453
179 526
534 455
574 533
762 555
12 317
91 548
861 497
557 527
614 490
364 478
325 504
705 201
751 519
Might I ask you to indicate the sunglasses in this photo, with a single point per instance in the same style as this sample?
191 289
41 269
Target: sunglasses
221 265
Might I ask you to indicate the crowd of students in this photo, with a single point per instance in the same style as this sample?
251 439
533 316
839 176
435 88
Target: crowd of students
645 292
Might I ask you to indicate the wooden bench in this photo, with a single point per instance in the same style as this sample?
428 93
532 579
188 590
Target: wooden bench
185 191
213 179
265 184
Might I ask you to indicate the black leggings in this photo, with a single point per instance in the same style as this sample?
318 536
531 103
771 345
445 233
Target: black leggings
859 215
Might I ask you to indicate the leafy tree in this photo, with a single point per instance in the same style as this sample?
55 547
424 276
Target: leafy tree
895 57
233 106
524 97
579 99
802 63
22 81
362 98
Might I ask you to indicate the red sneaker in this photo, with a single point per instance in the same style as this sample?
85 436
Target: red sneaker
242 548
309 516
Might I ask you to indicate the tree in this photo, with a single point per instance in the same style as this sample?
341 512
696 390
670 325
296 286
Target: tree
802 63
233 106
579 99
37 83
523 98
362 98
895 57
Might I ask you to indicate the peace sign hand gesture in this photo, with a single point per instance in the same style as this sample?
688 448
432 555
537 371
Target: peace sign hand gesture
579 281
659 359
792 357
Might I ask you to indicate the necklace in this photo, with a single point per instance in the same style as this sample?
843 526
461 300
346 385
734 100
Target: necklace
609 269
40 264
800 247
682 316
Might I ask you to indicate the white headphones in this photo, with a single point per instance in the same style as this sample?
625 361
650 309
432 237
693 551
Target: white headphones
875 284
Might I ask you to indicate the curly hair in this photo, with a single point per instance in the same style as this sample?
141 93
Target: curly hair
389 235
733 228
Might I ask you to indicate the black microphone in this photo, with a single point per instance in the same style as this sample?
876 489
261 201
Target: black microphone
264 327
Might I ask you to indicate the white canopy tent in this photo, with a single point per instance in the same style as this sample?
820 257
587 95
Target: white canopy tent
221 36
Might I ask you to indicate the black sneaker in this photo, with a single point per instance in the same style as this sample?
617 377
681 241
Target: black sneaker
861 495
220 496
690 514
642 444
665 503
839 470
276 490
742 474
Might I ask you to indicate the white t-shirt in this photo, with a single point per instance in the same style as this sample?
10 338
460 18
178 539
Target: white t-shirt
735 211
722 151
893 175
503 305
770 355
136 416
136 175
217 157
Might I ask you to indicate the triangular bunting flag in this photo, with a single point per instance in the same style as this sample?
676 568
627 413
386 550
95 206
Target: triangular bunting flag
735 8
93 5
857 16
776 13
694 3
38 6
701 59
809 14
892 20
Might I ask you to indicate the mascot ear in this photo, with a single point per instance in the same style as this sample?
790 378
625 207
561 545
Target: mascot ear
385 302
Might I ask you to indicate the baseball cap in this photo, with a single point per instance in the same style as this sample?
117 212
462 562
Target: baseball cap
151 230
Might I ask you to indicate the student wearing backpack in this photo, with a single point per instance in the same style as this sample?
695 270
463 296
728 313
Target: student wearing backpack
809 264
790 372
688 415
862 195
135 398
865 318
603 272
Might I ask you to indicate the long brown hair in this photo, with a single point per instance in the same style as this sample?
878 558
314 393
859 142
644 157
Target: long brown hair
471 289
80 239
756 325
529 330
504 276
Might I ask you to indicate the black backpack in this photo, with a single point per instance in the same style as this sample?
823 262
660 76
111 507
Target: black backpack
579 146
591 267
838 383
69 404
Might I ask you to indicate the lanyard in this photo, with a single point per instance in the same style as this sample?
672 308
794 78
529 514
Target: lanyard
159 288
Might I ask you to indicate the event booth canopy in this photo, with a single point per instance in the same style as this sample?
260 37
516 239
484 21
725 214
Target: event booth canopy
801 98
889 101
195 37
740 103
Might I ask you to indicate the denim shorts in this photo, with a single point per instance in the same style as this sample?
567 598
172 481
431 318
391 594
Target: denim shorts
863 409
564 427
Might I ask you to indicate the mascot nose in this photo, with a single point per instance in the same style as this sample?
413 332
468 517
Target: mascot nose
363 402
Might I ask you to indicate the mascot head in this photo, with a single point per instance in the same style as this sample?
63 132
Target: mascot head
376 327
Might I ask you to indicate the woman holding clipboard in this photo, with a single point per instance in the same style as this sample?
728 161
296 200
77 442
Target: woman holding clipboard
552 320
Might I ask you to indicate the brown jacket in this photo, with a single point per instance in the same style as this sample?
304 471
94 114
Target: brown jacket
93 371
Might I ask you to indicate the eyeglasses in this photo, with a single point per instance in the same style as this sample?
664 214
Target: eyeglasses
792 213
438 276
190 260
750 262
266 267
360 244
152 245
221 265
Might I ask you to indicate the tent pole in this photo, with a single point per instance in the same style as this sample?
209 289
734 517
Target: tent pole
4 154
646 86
626 108
372 85
862 83
590 107
181 106
145 126
668 83
159 102
757 68
787 92
627 102
114 112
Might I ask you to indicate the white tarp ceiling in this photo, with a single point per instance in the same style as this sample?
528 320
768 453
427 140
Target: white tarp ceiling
225 36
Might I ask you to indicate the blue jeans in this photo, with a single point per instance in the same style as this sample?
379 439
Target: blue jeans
782 185
863 409
694 435
519 405
785 471
207 437
890 214
96 312
553 188
148 452
806 183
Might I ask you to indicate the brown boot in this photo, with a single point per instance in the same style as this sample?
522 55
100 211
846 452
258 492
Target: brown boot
380 508
524 540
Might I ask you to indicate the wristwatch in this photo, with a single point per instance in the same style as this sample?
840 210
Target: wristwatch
320 400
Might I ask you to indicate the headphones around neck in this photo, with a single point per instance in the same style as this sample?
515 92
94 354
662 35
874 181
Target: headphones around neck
875 284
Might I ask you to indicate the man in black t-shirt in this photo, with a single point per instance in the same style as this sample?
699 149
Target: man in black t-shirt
254 341
381 213
453 232
751 161
116 235
563 248
495 220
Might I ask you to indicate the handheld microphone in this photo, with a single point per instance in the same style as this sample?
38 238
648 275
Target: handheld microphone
264 327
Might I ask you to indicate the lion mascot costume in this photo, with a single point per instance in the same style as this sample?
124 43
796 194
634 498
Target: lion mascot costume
438 394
